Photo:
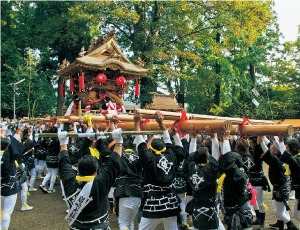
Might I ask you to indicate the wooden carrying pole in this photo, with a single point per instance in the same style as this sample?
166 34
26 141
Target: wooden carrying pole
100 134
120 117
75 118
36 120
150 114
215 125
263 130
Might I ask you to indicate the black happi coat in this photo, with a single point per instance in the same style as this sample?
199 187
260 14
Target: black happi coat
247 164
277 177
189 159
9 180
96 211
235 182
21 173
159 173
181 154
235 193
294 164
128 183
74 150
52 152
102 144
28 158
43 148
204 186
257 176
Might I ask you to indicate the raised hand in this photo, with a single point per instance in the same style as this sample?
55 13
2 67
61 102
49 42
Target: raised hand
159 117
281 136
208 131
227 131
58 123
192 132
137 116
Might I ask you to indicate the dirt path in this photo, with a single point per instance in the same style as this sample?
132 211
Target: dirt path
49 211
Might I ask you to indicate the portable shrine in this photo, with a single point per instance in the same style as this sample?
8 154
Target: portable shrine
100 72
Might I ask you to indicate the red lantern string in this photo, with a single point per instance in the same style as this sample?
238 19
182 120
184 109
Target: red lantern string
137 89
81 83
72 85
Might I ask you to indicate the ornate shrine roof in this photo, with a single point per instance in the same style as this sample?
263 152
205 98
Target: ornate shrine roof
103 54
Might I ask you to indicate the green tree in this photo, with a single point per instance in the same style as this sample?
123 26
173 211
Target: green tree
35 96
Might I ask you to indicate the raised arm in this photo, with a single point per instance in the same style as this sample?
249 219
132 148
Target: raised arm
214 142
159 119
226 145
137 117
62 136
281 143
193 143
117 135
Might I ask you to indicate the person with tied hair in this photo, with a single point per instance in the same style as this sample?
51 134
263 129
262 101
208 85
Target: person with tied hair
128 191
28 160
258 180
10 186
52 162
242 146
279 181
290 154
161 203
86 193
234 191
203 174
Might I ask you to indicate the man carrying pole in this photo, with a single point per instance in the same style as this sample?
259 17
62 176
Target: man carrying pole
158 163
86 194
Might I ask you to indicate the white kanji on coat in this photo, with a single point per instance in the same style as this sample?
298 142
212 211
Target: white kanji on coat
131 157
164 164
196 180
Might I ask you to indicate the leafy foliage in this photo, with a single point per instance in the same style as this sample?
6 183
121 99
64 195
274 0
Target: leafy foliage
211 53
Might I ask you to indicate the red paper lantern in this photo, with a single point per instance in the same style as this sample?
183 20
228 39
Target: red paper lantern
120 80
137 90
81 83
72 85
101 78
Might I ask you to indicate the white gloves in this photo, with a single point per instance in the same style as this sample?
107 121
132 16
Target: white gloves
101 135
62 136
117 135
177 140
21 125
3 125
167 138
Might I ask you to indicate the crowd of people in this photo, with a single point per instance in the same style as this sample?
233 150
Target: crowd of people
168 177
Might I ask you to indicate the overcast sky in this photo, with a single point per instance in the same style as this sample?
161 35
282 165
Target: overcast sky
288 18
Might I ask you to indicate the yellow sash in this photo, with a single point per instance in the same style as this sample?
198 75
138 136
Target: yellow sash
85 178
94 152
158 152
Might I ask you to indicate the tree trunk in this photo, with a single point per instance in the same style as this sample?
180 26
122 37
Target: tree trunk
180 94
143 44
218 70
59 99
252 70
